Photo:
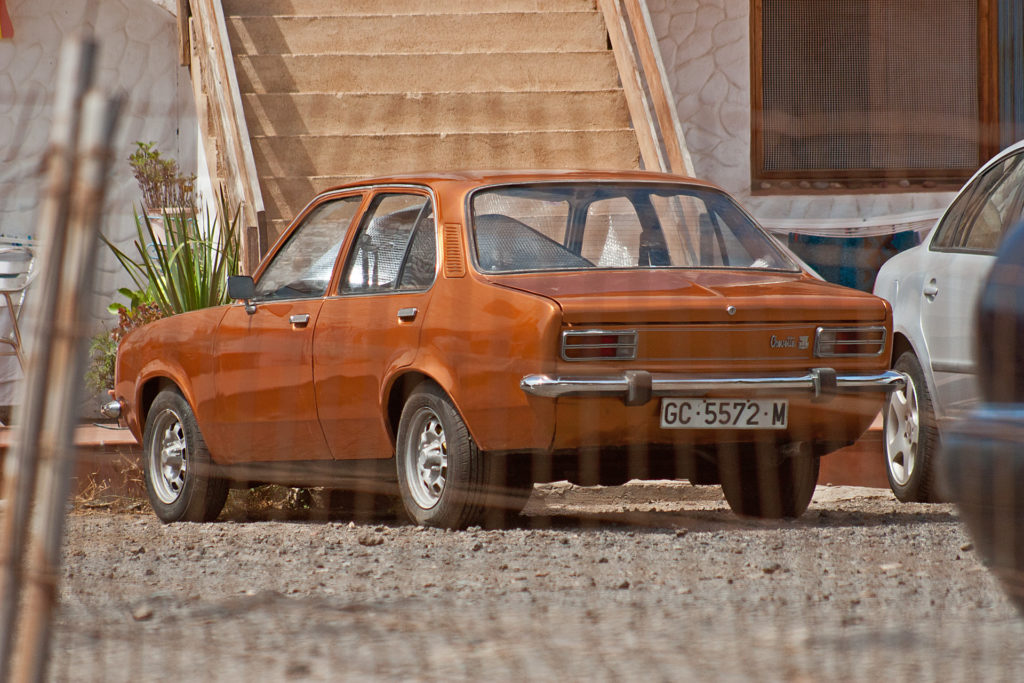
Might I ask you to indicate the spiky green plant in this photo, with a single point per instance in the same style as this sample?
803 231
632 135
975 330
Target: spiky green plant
187 267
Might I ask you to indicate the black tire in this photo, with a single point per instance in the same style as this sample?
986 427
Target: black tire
443 478
910 437
769 484
181 478
705 472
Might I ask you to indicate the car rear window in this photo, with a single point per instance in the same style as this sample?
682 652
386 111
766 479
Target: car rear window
562 226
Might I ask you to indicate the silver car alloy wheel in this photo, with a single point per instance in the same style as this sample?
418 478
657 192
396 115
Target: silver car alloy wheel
426 454
167 459
902 432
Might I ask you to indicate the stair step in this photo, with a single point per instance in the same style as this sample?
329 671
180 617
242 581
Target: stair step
328 8
370 155
469 72
403 34
483 112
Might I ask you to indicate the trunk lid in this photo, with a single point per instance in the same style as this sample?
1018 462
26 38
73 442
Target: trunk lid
678 296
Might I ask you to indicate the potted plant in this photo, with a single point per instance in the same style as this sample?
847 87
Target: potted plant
165 190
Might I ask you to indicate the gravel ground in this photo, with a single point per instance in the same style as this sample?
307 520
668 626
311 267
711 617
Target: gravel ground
654 581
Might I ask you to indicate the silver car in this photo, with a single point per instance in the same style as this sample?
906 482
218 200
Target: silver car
933 288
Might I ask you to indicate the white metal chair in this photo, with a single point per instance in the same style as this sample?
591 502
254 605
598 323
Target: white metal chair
16 273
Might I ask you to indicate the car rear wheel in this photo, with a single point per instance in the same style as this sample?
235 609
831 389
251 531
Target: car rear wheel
769 485
910 435
180 475
444 479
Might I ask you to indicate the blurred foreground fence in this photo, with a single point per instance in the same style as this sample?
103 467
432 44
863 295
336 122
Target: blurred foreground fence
38 470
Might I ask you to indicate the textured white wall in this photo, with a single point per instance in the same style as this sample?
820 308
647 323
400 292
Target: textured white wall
139 57
705 45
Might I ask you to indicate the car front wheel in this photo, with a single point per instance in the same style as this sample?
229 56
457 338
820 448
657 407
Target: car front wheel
181 480
444 479
910 435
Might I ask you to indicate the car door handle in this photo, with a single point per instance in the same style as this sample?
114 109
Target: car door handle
931 290
407 315
299 320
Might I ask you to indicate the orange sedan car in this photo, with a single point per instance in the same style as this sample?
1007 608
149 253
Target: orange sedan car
471 333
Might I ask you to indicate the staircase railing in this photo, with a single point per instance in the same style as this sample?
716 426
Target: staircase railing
219 104
645 83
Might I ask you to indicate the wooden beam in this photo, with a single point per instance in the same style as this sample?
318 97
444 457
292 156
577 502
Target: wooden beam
184 50
679 160
632 86
226 100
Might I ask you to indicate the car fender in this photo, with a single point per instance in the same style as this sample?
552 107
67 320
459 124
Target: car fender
900 282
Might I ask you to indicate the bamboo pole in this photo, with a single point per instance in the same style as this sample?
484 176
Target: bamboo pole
57 453
77 66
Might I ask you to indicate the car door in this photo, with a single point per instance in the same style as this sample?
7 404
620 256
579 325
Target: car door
961 254
266 403
371 326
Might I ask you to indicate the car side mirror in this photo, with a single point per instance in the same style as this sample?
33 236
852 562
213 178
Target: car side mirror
242 287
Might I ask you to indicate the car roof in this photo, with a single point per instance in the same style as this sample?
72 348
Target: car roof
481 178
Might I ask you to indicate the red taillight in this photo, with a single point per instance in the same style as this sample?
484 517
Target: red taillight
598 345
830 342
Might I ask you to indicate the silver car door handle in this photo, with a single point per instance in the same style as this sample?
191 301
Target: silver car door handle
300 320
931 290
407 315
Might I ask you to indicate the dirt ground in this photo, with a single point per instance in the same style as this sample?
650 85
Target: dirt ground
654 581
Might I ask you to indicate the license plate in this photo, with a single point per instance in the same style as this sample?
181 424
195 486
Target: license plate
732 413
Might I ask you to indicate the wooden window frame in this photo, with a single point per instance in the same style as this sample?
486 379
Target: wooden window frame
862 181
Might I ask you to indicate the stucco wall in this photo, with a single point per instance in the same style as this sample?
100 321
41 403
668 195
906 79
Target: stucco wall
138 56
705 45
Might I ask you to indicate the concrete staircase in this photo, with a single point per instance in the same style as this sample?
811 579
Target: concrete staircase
334 90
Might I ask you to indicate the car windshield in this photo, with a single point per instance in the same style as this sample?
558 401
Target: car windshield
552 227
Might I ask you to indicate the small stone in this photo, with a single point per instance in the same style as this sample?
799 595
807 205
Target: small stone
603 560
624 585
477 546
142 613
298 670
967 547
771 568
681 532
370 540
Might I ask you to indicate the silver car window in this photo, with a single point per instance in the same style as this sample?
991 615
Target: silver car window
302 267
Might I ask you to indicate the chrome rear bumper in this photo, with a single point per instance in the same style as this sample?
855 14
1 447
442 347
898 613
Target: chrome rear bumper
637 387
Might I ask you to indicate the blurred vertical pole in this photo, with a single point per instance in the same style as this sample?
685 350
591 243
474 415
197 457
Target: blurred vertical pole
57 453
74 77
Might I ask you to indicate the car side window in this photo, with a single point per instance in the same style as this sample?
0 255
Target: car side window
1000 208
302 267
978 218
395 248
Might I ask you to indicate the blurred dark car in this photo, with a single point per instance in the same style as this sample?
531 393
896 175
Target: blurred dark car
982 465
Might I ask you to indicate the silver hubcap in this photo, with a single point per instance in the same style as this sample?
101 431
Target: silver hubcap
902 432
167 457
426 458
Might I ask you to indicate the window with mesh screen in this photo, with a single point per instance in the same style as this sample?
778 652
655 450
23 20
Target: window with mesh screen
871 90
380 258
